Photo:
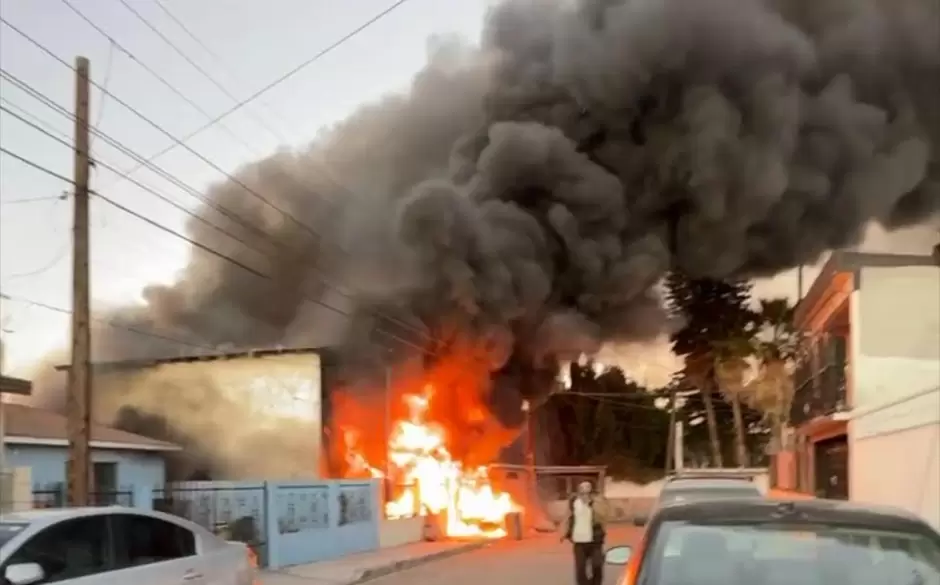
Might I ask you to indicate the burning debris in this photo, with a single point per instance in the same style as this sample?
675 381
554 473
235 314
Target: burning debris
526 196
425 479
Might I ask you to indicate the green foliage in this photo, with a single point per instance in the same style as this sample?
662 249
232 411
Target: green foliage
715 339
607 419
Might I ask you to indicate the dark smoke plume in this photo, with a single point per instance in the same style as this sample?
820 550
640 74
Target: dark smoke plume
529 193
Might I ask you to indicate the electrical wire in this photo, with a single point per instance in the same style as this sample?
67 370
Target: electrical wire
163 81
137 183
105 83
288 171
38 95
206 248
180 142
60 254
291 73
108 322
30 199
133 155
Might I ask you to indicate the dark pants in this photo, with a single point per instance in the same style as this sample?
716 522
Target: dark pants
588 563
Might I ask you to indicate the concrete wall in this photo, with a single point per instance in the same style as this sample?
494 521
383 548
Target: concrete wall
16 489
894 454
296 522
272 403
400 531
896 333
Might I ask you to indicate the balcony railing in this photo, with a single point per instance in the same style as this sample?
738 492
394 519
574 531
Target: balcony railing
821 383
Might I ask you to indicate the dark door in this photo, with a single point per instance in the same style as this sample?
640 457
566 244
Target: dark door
832 468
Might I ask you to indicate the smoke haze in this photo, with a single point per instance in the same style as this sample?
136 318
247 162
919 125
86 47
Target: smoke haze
528 194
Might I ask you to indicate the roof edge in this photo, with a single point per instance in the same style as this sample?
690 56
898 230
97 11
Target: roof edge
106 445
208 357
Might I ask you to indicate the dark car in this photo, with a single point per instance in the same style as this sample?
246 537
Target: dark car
755 541
691 487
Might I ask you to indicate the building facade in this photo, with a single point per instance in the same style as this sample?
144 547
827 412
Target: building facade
125 467
866 413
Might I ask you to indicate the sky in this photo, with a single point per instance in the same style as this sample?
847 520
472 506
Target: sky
243 48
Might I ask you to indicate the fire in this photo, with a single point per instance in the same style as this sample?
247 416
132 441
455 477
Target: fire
463 497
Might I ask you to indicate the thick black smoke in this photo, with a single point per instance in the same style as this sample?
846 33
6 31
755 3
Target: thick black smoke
529 193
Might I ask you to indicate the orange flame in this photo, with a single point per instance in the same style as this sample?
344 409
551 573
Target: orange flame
439 484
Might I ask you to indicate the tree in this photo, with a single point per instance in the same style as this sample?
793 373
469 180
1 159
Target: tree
607 419
714 341
777 344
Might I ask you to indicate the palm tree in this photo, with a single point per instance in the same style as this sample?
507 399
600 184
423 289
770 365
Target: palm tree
715 341
731 372
777 345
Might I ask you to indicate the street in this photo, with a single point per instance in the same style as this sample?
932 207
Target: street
540 560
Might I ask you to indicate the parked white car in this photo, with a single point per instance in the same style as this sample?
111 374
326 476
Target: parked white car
116 546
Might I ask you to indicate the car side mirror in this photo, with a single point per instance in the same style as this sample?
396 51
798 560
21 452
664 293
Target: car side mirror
24 574
619 555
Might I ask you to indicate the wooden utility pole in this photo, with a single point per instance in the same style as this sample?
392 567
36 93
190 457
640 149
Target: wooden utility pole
79 379
671 441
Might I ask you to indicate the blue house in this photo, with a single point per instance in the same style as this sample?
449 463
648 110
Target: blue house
124 465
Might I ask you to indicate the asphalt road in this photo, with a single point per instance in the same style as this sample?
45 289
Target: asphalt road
541 560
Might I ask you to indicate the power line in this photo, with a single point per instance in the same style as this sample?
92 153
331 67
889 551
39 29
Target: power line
163 81
181 142
134 156
205 248
38 95
201 110
30 199
316 57
60 254
143 186
36 166
166 133
108 322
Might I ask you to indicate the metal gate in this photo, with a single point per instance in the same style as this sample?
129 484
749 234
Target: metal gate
832 468
234 512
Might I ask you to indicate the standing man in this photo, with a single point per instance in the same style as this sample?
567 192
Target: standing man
584 527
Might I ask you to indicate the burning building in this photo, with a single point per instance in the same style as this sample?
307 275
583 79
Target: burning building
225 409
522 201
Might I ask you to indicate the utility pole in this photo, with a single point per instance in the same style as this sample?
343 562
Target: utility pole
3 418
79 379
671 441
680 447
529 443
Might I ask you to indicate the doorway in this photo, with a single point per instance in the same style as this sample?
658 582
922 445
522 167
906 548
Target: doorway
831 458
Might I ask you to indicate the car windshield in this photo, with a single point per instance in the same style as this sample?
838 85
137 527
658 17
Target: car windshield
764 554
8 530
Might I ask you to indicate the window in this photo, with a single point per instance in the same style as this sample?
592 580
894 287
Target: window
9 530
105 483
787 554
68 550
143 540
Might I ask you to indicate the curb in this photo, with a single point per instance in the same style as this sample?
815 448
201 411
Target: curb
376 572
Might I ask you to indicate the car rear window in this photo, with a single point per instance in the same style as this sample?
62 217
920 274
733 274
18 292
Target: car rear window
713 493
9 530
782 554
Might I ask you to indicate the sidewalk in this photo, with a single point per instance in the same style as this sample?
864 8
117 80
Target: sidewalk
365 566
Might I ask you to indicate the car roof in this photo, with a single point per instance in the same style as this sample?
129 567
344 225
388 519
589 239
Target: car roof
757 509
694 483
48 516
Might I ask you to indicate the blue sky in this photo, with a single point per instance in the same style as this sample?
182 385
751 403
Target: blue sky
252 43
